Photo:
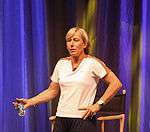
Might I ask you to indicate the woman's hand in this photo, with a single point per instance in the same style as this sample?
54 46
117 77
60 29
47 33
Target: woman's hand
26 102
90 110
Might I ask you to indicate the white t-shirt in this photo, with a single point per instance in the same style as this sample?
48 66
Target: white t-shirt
78 88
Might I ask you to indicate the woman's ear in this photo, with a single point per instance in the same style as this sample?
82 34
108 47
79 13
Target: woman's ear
85 45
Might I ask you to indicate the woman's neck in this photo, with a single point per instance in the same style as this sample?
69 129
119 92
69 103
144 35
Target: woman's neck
78 59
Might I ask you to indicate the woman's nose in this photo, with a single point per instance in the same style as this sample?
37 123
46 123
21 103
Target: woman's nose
71 43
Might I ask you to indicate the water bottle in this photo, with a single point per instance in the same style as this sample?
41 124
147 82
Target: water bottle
21 110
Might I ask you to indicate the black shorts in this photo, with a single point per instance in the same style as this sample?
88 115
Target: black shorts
64 124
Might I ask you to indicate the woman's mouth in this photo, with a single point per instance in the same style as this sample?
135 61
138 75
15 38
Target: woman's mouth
72 50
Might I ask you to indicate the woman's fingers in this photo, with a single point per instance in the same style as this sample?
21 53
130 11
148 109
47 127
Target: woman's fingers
22 101
26 106
83 108
15 105
88 113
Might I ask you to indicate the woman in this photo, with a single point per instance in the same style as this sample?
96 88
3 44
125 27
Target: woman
76 77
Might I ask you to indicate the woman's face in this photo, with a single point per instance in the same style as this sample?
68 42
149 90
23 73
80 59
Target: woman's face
75 45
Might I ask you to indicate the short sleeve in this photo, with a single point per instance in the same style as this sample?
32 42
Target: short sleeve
99 69
55 75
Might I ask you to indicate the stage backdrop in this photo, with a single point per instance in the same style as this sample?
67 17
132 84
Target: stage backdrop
23 63
32 40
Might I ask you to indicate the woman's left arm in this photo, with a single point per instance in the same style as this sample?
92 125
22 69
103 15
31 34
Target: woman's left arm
114 85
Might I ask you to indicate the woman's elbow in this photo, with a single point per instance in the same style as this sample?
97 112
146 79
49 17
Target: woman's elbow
119 84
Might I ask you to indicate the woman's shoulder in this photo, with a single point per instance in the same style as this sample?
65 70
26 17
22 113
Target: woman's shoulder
95 59
65 58
62 61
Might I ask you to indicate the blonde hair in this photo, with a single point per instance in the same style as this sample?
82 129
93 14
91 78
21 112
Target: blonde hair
83 34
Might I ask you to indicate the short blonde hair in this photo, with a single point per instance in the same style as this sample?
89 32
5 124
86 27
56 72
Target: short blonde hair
83 34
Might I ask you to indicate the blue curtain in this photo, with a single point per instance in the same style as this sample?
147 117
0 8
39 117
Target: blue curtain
123 42
23 63
145 60
114 43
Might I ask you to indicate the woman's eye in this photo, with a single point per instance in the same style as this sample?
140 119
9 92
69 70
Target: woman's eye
68 40
75 39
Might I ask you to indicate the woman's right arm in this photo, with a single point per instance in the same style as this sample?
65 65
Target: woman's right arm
50 93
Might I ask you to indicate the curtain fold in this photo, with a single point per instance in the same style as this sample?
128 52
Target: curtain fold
24 63
145 68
